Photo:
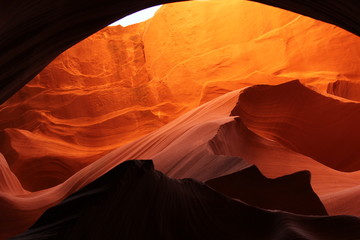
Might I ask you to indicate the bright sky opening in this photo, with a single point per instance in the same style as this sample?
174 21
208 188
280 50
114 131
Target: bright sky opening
137 17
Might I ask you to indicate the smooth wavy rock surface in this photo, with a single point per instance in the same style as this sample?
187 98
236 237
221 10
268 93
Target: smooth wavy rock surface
209 95
189 158
142 203
345 89
87 102
123 83
204 144
306 122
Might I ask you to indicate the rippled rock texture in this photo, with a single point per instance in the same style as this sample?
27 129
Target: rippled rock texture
258 103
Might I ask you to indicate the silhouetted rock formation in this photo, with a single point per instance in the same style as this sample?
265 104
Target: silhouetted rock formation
133 201
291 193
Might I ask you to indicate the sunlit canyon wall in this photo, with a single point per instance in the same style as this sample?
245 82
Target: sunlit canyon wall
125 89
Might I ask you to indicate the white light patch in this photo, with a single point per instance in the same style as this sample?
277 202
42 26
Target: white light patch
137 17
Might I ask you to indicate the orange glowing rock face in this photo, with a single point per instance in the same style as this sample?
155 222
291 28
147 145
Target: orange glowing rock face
91 99
122 83
129 88
229 44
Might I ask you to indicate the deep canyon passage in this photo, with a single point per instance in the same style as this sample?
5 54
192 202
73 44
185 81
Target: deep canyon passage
211 120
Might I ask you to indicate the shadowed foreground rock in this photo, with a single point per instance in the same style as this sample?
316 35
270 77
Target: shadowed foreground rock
134 201
291 193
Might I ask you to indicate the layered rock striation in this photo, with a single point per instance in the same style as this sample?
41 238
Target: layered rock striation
258 103
123 83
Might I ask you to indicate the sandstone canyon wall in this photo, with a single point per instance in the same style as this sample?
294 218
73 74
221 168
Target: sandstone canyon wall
123 83
205 94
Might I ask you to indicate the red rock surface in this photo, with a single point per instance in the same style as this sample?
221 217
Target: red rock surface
123 93
91 99
345 89
123 83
